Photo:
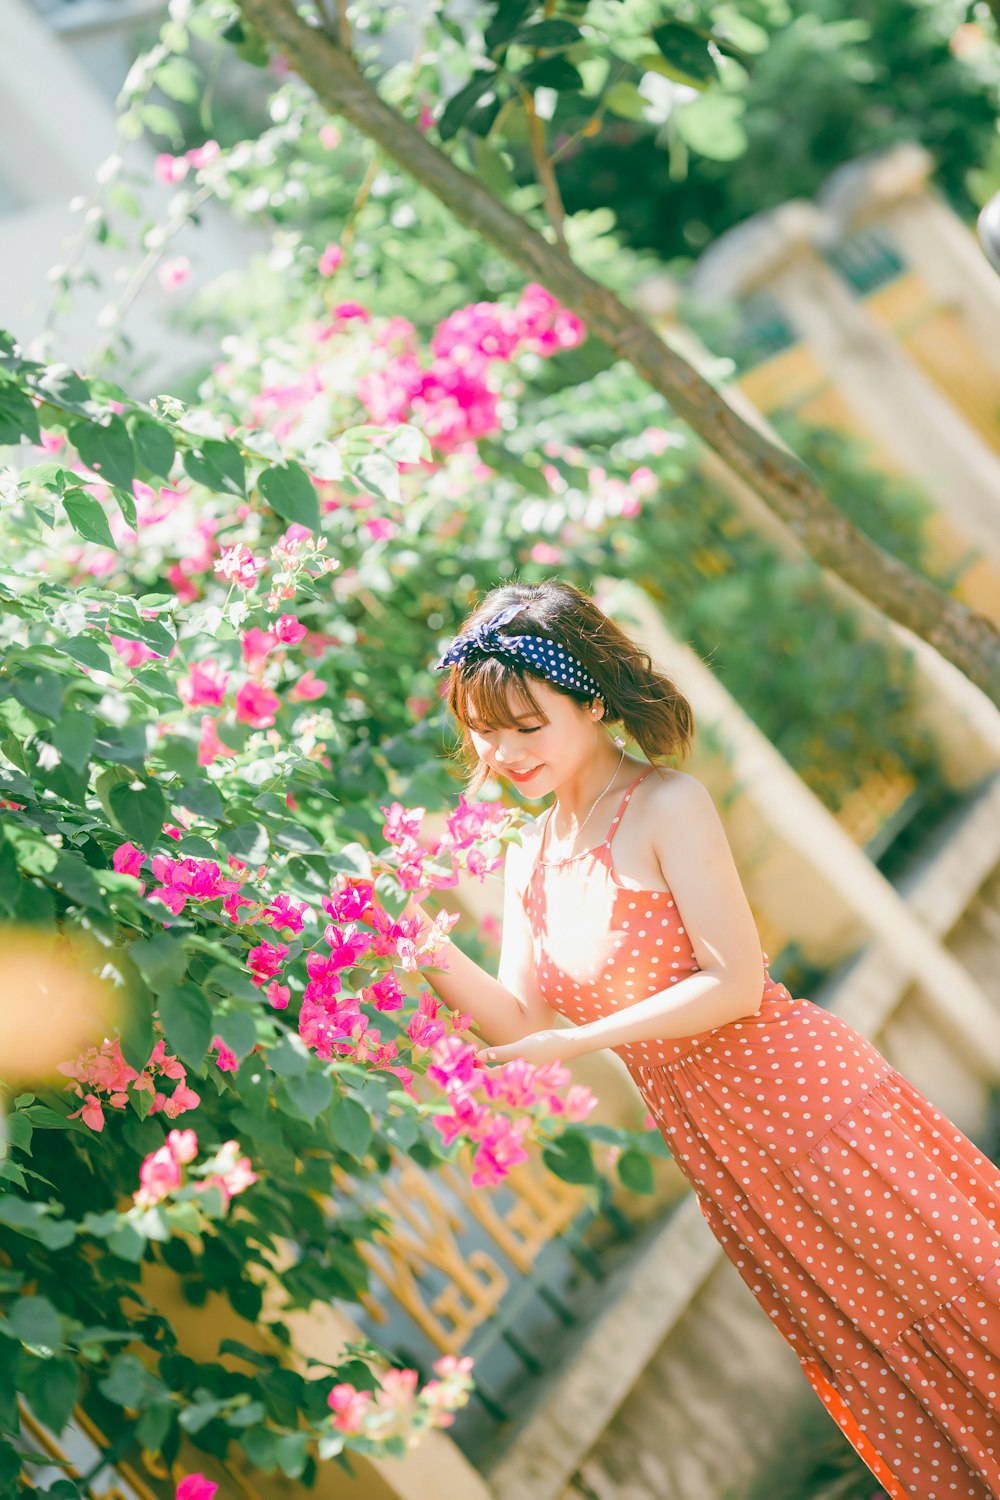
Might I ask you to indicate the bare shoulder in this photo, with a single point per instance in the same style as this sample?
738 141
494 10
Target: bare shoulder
678 803
679 791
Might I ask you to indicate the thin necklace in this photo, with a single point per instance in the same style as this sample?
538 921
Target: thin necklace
597 799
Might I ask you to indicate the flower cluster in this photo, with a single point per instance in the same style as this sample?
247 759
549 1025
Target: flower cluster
401 1407
494 1109
103 1071
420 868
454 400
161 1174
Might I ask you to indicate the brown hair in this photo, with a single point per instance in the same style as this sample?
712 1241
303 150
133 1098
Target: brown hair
651 709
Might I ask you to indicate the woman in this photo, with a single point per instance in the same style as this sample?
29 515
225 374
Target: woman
865 1224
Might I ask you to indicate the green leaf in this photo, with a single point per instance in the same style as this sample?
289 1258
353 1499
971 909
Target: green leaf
52 1387
570 1158
74 877
139 809
86 650
510 15
137 1035
238 1031
352 1127
308 1096
64 387
127 1242
106 447
126 622
34 1320
10 877
460 104
199 797
685 51
248 841
624 100
154 445
18 417
87 518
291 494
636 1172
549 34
713 126
179 79
378 473
188 1023
219 466
161 121
34 1219
161 959
129 1383
19 1132
38 689
552 73
74 737
286 1060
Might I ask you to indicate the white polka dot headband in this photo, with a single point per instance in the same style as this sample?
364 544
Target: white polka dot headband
543 656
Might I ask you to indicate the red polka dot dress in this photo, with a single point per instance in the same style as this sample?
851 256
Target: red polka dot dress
866 1225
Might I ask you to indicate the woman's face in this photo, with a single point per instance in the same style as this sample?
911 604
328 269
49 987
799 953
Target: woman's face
545 748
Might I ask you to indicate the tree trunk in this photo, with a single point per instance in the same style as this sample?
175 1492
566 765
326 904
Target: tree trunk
781 480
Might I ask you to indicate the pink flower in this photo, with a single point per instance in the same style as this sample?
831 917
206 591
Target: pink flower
181 1101
239 565
349 1407
346 312
278 994
174 273
170 169
401 822
205 685
384 994
329 137
348 945
544 552
201 156
499 1151
225 1059
91 1112
265 960
306 688
232 1173
425 119
209 744
196 1487
159 1175
290 631
257 647
256 705
283 912
331 258
183 1145
128 860
133 653
398 1387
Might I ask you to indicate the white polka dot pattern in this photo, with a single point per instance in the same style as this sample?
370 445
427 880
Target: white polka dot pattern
546 658
864 1222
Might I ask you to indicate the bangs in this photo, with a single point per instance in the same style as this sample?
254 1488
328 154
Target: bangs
492 695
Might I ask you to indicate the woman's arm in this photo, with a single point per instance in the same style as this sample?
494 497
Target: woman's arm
698 867
508 1007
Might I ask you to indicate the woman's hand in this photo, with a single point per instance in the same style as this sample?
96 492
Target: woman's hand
538 1047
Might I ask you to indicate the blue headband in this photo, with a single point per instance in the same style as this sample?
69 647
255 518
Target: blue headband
537 652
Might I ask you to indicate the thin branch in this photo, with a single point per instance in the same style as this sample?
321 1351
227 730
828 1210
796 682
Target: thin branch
780 479
543 169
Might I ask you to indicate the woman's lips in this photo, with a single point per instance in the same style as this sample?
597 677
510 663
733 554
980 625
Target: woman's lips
523 776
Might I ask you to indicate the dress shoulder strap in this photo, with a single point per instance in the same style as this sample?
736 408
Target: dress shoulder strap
625 801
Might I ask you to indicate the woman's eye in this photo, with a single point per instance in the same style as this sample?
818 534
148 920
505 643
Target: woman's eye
533 730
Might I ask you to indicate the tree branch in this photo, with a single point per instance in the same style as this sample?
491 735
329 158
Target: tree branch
780 479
